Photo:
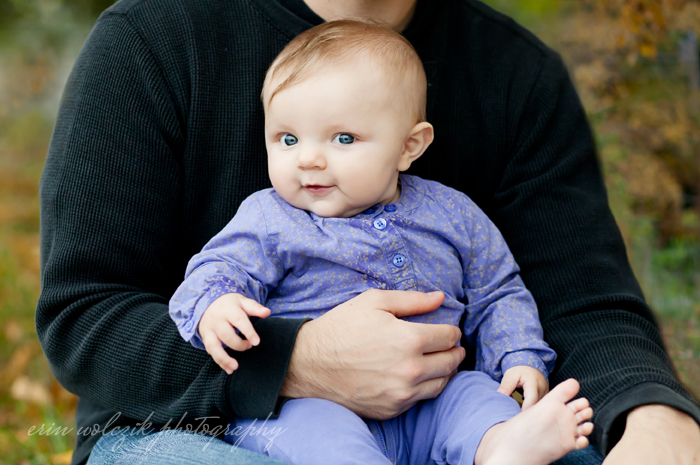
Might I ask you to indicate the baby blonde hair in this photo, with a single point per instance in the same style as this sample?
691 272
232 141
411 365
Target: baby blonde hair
338 43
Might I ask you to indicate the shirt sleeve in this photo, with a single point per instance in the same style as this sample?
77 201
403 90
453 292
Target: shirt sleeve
238 260
502 321
552 208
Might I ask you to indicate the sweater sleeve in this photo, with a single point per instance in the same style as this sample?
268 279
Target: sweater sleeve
111 200
552 209
502 320
238 260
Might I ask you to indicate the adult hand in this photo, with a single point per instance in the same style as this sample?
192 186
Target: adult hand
360 355
657 434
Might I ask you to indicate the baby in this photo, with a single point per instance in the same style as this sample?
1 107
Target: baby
344 116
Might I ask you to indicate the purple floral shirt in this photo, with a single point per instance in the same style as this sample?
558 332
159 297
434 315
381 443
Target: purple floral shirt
301 265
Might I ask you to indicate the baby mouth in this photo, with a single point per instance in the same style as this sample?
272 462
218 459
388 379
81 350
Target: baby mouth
317 189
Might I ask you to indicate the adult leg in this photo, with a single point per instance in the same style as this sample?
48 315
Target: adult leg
310 432
170 447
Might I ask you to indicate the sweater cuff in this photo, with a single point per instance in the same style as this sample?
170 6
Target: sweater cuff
253 389
610 419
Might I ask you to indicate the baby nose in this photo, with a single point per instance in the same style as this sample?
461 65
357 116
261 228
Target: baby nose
311 158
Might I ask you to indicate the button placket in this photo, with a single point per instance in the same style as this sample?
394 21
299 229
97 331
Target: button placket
400 272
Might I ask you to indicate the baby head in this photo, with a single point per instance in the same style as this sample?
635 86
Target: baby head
344 114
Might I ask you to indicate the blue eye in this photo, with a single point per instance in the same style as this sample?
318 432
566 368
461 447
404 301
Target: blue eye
288 139
344 139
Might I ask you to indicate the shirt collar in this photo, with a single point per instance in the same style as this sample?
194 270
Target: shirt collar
412 194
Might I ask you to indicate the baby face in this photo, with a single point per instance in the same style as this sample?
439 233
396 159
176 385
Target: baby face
335 142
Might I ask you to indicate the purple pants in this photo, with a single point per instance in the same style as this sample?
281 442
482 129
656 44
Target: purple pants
444 430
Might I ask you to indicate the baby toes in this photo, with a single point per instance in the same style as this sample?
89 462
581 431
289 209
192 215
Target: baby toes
581 442
565 391
583 415
584 429
578 404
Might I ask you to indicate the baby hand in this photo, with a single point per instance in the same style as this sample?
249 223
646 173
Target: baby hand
217 326
533 383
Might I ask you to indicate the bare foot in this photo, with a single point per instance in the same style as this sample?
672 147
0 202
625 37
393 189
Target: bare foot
545 432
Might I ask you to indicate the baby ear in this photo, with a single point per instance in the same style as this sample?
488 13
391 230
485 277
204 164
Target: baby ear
420 137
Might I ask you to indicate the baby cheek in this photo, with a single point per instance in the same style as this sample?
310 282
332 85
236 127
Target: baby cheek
282 179
371 186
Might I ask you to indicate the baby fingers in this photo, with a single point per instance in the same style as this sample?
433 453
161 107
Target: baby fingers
214 348
241 322
227 334
530 395
253 308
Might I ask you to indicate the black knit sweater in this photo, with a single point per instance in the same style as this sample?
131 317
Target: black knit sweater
160 137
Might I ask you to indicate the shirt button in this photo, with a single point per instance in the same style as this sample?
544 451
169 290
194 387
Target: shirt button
189 325
390 207
370 210
399 260
380 224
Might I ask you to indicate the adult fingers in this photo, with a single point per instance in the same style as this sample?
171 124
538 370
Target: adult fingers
213 346
431 338
438 365
405 303
429 389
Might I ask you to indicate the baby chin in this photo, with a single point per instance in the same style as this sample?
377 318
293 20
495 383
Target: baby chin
325 201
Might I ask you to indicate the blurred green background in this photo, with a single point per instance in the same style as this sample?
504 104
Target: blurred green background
640 92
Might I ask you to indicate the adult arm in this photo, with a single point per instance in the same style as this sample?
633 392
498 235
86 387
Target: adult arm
111 211
552 209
